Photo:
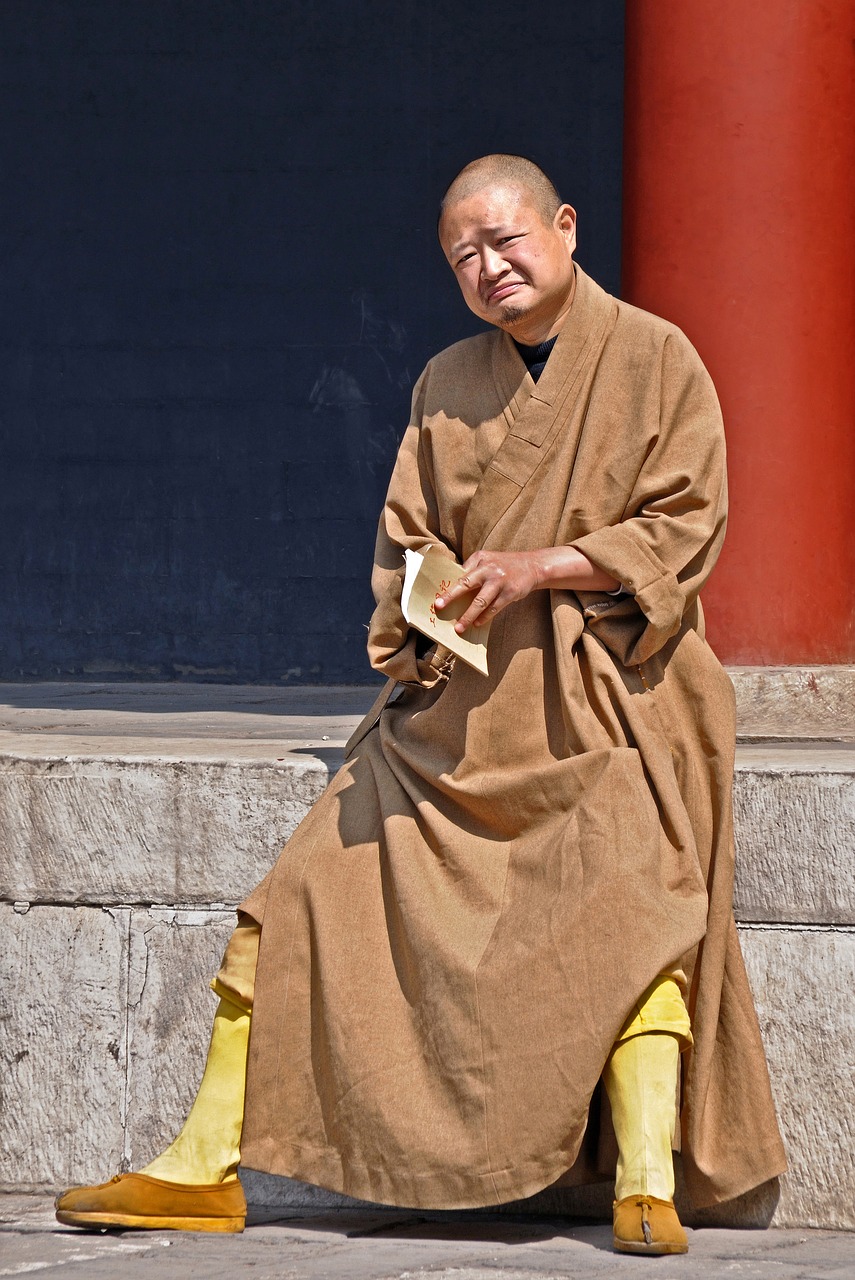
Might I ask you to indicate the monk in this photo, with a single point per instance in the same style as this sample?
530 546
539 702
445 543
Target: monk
500 950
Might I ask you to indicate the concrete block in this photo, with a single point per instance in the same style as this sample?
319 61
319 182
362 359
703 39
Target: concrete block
795 702
794 813
803 982
119 829
197 829
63 976
173 956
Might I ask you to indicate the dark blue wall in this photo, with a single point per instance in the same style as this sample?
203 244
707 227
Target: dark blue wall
219 280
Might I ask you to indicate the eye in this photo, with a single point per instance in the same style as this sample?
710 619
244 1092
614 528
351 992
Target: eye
466 257
508 239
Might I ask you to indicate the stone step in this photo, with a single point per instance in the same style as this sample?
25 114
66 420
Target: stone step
185 822
133 818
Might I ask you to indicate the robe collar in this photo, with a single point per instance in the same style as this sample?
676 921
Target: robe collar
535 411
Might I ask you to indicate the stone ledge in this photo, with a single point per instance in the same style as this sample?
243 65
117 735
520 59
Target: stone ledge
795 702
190 821
785 703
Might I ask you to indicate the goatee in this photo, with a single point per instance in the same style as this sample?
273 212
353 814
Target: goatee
510 315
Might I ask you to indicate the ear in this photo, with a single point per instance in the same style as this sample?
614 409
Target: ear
565 222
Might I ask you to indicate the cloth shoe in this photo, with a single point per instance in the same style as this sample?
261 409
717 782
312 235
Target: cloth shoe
644 1224
192 1185
136 1200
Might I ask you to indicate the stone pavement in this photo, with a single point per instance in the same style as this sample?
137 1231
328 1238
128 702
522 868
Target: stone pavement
382 1245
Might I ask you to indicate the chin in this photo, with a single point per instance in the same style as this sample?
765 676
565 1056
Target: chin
511 315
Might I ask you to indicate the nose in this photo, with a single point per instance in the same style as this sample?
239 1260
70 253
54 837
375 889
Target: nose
492 263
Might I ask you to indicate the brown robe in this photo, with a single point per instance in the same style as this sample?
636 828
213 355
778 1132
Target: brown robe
455 934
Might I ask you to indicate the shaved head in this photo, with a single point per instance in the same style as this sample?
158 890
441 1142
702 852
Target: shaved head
504 171
509 241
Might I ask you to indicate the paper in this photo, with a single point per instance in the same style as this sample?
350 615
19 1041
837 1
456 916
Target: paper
431 573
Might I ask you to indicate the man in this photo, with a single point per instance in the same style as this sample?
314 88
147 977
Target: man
519 885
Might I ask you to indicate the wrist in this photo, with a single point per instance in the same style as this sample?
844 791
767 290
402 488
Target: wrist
568 568
545 570
555 565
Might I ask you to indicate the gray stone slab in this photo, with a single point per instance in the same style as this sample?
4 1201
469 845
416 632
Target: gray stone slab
803 982
193 826
795 702
63 977
124 829
160 710
800 702
794 814
147 812
173 956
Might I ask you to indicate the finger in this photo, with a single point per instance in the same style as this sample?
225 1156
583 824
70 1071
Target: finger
467 583
463 587
482 609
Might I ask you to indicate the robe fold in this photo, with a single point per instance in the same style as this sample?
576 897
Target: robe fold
456 933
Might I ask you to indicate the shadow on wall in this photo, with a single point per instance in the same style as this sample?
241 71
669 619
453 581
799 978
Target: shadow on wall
181 699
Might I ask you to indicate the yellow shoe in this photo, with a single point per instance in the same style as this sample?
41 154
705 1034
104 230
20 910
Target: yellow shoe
136 1200
643 1224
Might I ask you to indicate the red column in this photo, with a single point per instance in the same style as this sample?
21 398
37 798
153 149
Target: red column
739 225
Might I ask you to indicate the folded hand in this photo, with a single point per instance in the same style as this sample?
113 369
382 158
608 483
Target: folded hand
499 578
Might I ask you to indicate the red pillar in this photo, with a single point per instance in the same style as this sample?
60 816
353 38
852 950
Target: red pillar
739 225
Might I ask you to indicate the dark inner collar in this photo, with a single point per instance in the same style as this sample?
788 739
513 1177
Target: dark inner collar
535 357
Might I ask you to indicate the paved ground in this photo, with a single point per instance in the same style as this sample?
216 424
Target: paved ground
773 704
169 711
264 723
400 1246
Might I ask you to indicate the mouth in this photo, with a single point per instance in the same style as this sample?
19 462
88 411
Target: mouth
502 291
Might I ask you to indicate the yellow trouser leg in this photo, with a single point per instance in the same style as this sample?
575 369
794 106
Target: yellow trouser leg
641 1081
207 1149
640 1078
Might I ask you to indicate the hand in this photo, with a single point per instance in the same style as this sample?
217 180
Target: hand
498 578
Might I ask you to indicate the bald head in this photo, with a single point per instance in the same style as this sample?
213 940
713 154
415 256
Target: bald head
504 171
510 241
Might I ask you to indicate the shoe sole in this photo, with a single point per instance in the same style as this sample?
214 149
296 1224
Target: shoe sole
654 1248
103 1221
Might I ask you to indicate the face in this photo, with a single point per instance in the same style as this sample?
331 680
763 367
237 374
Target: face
514 270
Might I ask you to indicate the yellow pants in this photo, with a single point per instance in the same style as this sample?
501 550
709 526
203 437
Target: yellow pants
236 978
662 1007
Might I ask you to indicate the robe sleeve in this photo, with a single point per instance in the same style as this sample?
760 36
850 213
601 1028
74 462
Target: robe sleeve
410 520
665 545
